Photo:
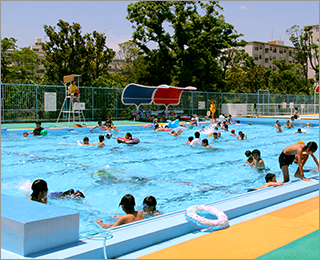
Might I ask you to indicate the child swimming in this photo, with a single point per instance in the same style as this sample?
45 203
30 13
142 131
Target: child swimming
149 207
39 191
127 203
101 139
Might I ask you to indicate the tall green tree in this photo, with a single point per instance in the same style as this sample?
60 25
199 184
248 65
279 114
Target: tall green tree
18 65
69 52
287 79
186 54
8 46
308 49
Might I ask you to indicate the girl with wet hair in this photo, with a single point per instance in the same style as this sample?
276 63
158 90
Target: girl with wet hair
127 202
39 191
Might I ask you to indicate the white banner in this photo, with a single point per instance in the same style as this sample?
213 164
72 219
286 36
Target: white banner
50 101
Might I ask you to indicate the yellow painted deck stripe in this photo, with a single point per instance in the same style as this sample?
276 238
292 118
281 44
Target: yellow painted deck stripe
252 238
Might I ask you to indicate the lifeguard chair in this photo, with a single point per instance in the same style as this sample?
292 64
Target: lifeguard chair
69 107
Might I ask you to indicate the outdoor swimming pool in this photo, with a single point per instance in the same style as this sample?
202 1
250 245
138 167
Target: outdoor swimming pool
161 165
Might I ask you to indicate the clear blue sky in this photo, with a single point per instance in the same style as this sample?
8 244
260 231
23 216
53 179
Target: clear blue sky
257 20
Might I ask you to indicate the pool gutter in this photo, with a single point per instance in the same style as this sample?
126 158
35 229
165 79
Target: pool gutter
137 236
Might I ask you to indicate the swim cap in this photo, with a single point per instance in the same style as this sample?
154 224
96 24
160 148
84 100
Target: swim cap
232 131
300 142
307 124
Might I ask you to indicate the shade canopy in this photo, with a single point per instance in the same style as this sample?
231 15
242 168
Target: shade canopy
167 95
135 94
317 89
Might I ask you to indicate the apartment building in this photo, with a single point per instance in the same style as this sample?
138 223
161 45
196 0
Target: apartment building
36 48
315 39
264 53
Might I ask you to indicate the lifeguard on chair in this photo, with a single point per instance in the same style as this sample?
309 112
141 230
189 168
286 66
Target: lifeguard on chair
72 89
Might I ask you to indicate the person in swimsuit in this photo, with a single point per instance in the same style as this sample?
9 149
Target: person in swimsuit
69 194
250 157
205 144
127 203
101 139
100 126
270 181
257 163
39 191
36 131
190 138
288 155
149 207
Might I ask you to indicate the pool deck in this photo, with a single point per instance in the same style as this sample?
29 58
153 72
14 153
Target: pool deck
288 233
288 229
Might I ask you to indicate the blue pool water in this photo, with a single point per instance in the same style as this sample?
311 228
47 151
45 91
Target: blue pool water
178 175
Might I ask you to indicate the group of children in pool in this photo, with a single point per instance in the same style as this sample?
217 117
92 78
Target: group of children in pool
40 194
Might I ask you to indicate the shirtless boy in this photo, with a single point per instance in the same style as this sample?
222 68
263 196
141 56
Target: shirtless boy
287 157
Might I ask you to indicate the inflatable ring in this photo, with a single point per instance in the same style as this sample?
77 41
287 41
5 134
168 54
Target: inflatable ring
197 221
135 140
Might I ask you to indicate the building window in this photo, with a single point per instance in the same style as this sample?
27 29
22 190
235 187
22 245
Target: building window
274 50
41 71
260 47
260 57
256 57
274 68
266 60
281 50
256 47
274 58
290 61
285 50
267 50
270 48
35 49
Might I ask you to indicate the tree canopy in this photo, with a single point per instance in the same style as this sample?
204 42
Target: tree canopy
189 36
69 52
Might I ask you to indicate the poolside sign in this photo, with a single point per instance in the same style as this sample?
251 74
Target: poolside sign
50 101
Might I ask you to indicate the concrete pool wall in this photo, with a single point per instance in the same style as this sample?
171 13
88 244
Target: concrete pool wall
136 236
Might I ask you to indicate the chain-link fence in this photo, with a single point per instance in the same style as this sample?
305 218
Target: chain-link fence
25 103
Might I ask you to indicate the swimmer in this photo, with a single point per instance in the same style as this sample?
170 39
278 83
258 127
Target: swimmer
279 128
288 155
257 163
270 181
250 157
190 138
299 131
291 122
308 125
233 133
205 144
39 191
230 120
216 135
224 126
149 207
242 136
100 126
287 124
86 142
277 123
101 139
127 137
176 133
127 203
69 194
36 131
197 141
